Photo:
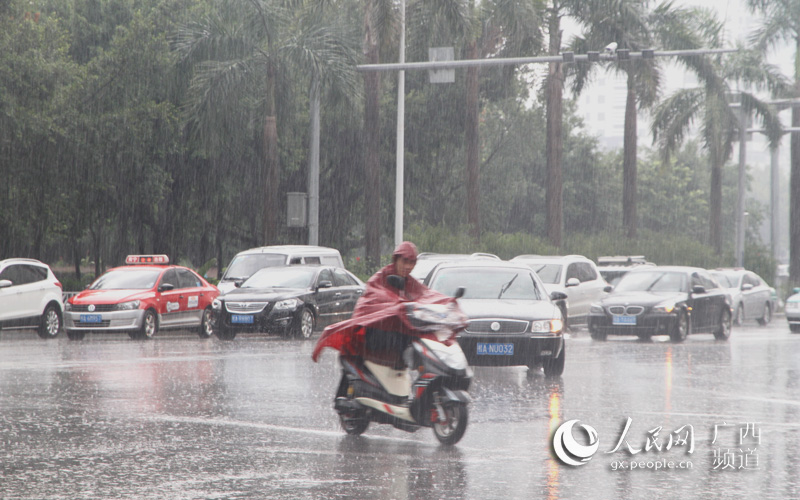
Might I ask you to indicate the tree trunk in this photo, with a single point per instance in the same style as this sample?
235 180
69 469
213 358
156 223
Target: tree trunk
372 187
715 208
794 194
473 144
629 162
554 147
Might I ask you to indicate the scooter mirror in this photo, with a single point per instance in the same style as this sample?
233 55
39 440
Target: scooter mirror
460 291
396 281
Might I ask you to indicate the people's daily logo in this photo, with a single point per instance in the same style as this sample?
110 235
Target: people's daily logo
569 450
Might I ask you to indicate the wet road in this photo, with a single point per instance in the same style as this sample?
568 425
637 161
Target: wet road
183 418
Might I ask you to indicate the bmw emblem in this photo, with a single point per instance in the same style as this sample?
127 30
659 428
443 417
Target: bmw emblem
495 326
90 308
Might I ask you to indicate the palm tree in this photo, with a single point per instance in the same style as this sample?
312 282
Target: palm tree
781 23
634 26
719 123
242 51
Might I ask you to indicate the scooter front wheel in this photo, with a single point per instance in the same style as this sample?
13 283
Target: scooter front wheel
354 425
450 429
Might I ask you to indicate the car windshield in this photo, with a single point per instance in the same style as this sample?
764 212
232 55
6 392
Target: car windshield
516 284
727 280
549 273
127 279
653 281
423 267
243 266
284 277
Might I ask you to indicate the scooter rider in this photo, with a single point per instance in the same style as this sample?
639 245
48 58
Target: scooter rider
382 346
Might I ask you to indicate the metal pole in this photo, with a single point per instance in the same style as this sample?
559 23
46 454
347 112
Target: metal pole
774 201
401 112
313 166
740 229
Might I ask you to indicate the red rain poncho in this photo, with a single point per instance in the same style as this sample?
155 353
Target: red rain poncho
382 306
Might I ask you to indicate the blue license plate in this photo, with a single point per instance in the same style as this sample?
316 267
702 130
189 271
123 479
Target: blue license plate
495 349
91 318
623 320
246 319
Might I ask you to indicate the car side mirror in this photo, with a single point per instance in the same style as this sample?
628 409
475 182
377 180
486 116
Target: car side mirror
573 282
698 289
166 287
5 283
396 281
325 284
460 291
558 296
608 288
746 287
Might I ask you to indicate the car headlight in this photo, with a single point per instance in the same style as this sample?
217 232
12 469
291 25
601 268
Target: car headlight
596 309
547 326
68 306
664 307
287 304
216 304
128 306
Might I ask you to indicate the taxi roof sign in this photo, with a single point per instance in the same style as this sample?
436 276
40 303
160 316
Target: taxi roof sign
146 259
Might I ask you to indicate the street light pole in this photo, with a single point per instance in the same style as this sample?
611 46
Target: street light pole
740 229
401 112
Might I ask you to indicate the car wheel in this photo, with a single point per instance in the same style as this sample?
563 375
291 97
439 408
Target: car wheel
554 367
304 327
206 324
149 326
766 317
681 329
724 330
739 315
794 328
75 335
50 323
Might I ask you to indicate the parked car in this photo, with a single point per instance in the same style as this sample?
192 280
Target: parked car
574 275
426 261
247 262
670 300
751 297
512 319
30 297
141 298
290 300
792 309
612 268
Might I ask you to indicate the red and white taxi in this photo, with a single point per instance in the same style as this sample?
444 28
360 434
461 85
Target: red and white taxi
140 298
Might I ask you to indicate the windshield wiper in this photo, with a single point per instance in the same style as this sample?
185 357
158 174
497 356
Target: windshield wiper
505 287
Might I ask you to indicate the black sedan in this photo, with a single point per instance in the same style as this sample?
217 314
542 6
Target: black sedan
292 301
511 319
674 301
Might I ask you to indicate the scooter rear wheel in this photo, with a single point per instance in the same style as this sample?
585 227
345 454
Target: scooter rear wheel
452 429
353 424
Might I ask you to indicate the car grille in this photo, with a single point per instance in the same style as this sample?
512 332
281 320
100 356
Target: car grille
102 324
97 308
501 326
245 307
626 310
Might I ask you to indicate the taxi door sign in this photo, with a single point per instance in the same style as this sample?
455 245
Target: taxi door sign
194 301
173 306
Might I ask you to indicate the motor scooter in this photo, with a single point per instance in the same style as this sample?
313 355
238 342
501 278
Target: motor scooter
431 391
